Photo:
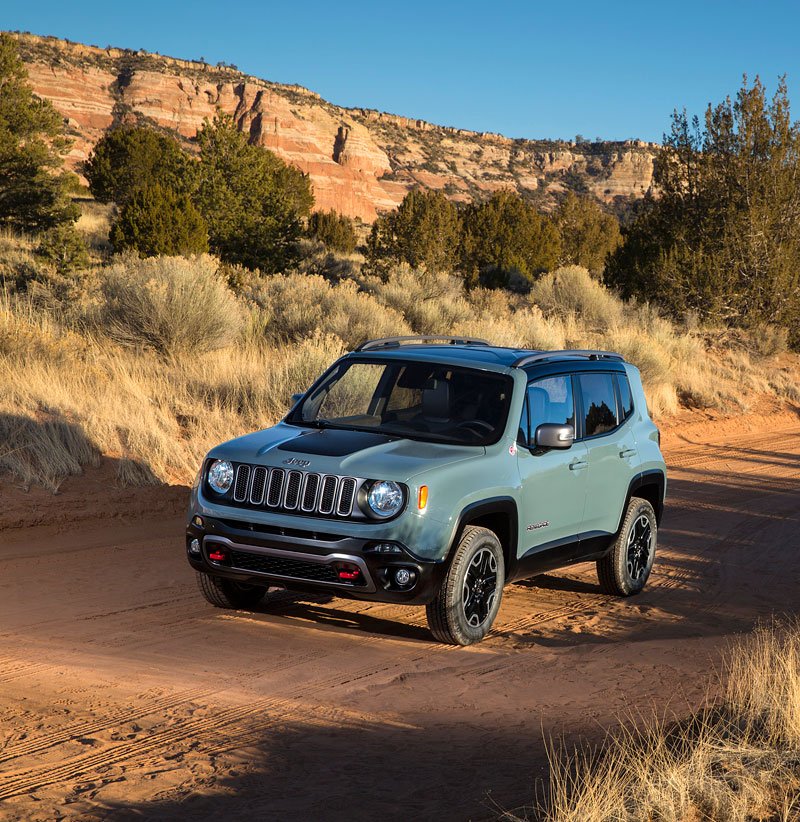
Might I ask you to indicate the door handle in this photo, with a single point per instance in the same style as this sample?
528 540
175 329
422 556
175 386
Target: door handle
577 465
628 452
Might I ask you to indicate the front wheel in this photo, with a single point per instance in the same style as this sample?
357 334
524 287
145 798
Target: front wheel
467 603
626 567
227 593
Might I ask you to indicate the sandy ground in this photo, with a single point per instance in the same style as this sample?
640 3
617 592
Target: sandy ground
123 695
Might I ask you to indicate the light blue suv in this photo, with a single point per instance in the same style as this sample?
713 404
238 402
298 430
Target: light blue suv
433 471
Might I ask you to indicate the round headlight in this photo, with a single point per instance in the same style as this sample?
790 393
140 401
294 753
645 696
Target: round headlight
385 498
220 476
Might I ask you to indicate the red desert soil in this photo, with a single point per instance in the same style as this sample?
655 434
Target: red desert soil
125 696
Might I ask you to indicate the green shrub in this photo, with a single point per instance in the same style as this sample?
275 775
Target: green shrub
130 158
588 234
158 221
173 305
424 232
251 200
505 235
723 236
34 192
336 231
64 247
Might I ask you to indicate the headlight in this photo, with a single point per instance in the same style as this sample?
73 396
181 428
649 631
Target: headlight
220 476
385 498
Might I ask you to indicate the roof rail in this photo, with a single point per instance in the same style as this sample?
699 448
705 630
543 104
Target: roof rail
396 342
588 354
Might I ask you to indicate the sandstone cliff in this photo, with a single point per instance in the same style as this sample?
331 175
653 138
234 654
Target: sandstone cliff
360 162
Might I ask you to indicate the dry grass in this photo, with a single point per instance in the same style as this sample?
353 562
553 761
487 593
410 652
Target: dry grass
735 760
152 362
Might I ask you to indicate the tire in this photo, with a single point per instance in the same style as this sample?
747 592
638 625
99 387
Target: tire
625 569
226 593
454 617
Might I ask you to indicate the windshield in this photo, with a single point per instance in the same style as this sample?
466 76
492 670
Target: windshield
427 401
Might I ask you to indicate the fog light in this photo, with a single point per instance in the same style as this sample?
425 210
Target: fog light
194 546
402 576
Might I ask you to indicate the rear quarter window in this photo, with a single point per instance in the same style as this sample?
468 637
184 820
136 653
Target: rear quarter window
625 396
599 403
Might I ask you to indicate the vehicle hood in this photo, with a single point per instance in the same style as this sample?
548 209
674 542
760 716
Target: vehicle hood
352 453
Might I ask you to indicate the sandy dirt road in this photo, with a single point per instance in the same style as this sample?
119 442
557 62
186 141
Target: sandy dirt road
123 695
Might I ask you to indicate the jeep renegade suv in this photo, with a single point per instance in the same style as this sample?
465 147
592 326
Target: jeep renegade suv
433 471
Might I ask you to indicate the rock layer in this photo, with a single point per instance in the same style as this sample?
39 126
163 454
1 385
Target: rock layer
360 162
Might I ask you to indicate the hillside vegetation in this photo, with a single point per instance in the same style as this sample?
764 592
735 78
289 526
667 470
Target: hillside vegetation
153 361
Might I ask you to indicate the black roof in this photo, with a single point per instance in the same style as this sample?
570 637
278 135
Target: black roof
466 351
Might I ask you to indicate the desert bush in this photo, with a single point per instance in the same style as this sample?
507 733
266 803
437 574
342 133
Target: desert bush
295 307
317 258
571 290
431 302
172 305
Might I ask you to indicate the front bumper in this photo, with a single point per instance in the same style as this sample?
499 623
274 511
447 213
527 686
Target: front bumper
305 560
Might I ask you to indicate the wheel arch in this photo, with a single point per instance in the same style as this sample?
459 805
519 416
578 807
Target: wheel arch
499 515
648 485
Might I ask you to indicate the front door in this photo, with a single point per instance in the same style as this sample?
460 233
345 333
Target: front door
553 481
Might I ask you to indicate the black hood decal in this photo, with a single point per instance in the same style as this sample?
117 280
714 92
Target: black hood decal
330 442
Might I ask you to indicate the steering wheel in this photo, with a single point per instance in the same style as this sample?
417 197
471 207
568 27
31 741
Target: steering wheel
479 427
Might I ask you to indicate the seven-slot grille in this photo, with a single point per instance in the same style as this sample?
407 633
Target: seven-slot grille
292 490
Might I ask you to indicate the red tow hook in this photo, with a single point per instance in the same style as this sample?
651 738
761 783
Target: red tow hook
349 573
218 555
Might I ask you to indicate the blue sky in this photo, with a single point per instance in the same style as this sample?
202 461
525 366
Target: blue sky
524 69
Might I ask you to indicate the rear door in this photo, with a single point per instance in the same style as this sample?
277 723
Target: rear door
607 434
553 481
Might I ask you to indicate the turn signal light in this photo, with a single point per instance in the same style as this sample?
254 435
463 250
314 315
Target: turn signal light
422 497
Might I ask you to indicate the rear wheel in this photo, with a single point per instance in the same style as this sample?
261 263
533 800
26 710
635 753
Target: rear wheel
467 603
626 568
227 593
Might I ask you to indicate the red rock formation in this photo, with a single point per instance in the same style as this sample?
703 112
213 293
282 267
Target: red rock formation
360 162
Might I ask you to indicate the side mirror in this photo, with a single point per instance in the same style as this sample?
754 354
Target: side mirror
297 397
553 435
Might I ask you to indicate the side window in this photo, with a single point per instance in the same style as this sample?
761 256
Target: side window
625 396
550 400
599 403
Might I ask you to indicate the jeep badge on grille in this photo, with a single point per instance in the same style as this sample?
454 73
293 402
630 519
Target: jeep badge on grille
297 462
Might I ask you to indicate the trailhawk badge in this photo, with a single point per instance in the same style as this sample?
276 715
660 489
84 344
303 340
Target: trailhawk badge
537 525
297 462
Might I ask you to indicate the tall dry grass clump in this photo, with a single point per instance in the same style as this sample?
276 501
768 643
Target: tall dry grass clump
298 306
172 305
735 760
